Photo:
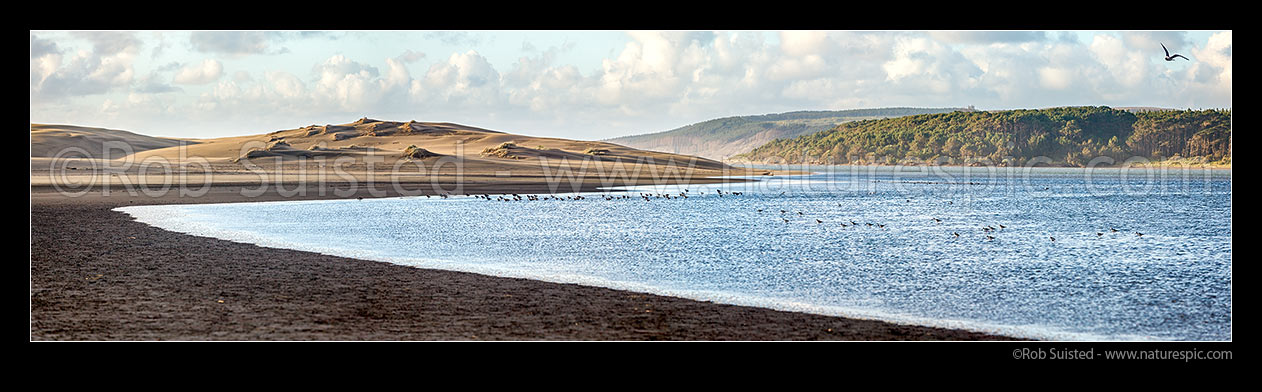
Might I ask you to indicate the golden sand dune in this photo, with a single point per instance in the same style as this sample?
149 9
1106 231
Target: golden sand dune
414 140
412 150
84 142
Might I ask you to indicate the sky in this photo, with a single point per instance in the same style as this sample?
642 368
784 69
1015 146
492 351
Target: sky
593 85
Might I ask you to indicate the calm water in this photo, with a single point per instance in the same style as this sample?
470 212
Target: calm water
1172 283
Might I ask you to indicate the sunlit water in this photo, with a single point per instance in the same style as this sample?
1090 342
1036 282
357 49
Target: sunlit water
1171 283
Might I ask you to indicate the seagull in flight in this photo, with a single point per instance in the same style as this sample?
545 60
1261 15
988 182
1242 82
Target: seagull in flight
1169 57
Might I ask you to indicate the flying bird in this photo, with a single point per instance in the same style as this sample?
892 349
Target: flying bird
1171 57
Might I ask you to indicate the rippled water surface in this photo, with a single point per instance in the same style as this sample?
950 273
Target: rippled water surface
1171 283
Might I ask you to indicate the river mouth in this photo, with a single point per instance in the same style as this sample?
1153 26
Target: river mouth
881 246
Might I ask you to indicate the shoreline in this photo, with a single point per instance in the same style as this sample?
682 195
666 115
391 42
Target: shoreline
97 274
1115 167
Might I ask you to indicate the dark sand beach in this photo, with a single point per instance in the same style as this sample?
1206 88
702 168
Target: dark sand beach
96 274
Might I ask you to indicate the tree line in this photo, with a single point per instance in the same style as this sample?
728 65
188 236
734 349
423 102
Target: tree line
1070 136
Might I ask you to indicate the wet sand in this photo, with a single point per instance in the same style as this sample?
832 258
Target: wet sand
96 274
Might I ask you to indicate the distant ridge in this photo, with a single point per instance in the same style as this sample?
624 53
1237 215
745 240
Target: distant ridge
724 137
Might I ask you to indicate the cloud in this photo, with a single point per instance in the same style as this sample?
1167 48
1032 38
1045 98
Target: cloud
464 77
1210 72
287 85
1151 41
107 66
988 37
233 43
1216 57
110 43
454 38
652 81
1056 78
346 84
41 47
1129 68
544 88
45 60
207 71
803 43
150 84
924 65
410 56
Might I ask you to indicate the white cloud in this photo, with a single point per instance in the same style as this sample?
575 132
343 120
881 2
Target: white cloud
803 43
1216 56
797 68
108 66
346 85
1128 67
287 85
1150 42
233 43
1056 78
464 79
207 71
651 82
988 37
410 56
903 66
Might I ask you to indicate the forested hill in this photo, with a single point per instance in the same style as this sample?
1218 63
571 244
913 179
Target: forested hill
728 136
1070 136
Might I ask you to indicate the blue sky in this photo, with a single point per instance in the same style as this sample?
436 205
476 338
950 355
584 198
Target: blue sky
594 84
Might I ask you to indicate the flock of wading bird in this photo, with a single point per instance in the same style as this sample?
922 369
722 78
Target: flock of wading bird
987 230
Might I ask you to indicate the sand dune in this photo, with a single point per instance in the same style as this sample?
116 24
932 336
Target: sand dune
365 137
391 140
49 140
421 150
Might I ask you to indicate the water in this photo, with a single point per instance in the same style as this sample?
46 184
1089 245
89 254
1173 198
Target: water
1172 283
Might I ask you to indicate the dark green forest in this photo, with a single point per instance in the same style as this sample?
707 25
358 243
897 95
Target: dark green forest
1066 136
